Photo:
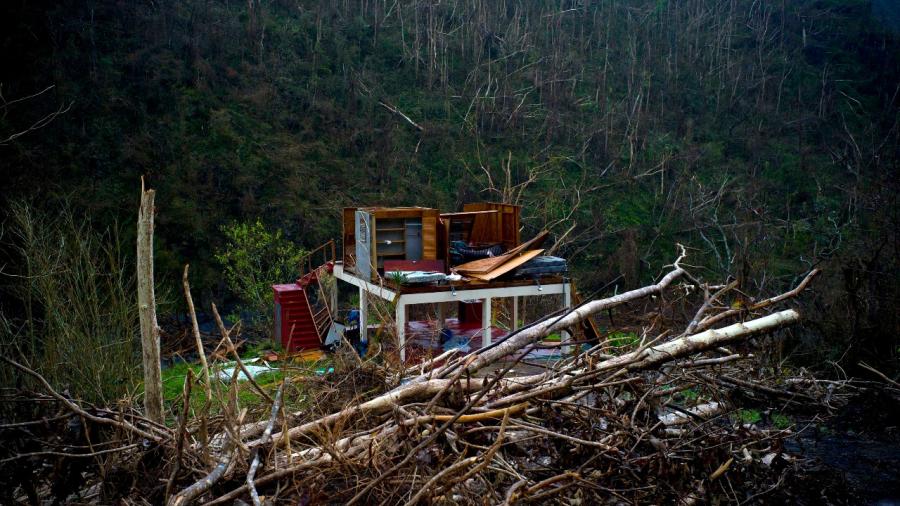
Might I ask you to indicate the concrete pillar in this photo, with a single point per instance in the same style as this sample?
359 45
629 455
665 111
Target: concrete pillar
486 322
363 316
400 321
515 315
567 304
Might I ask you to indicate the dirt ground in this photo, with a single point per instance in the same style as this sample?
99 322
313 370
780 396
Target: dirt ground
852 458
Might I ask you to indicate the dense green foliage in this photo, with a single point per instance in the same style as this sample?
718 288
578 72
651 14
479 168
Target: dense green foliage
764 134
251 259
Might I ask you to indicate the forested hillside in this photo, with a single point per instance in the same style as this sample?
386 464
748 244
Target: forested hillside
762 134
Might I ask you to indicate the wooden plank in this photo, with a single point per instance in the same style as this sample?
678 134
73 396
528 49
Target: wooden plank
349 237
430 235
509 266
468 213
483 265
534 242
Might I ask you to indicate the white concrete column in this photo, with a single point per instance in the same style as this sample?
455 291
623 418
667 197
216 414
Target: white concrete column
515 315
400 321
363 316
567 304
486 321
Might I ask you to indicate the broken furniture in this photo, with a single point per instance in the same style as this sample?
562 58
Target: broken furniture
373 235
415 255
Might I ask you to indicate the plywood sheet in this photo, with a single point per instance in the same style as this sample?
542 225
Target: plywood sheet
502 227
508 266
429 235
483 265
534 242
349 237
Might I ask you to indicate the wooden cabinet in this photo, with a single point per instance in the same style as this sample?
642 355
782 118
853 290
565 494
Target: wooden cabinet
375 234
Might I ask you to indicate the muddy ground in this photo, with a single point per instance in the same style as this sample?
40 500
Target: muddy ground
852 457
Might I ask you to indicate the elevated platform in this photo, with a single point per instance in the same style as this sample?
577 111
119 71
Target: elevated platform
484 291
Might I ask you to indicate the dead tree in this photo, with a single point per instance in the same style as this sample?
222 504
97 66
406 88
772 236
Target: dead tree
153 401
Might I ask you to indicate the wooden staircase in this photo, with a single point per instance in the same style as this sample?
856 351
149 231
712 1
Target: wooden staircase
300 331
303 316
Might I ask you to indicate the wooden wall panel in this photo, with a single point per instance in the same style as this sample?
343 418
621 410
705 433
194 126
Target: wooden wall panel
484 226
500 227
348 237
510 225
429 234
443 240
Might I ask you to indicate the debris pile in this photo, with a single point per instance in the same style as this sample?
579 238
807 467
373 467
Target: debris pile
650 420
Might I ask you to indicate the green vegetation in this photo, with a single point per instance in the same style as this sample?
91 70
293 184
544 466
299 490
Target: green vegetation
748 416
81 329
754 416
781 421
252 259
761 135
623 340
174 375
398 277
691 394
173 385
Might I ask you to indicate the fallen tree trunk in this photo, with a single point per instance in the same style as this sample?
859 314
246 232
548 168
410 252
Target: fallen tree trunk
187 495
448 436
640 359
543 329
688 345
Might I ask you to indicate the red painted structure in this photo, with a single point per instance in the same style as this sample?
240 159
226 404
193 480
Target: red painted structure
470 313
294 325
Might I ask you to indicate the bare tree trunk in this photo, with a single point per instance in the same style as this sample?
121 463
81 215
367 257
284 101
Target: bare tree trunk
153 402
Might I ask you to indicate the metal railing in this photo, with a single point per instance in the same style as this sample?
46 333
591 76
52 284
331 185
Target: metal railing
320 313
328 254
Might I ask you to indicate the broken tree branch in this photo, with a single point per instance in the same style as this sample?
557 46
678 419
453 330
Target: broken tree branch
267 434
237 356
398 112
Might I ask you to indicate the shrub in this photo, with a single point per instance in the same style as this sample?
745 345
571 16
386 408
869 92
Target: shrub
253 259
76 318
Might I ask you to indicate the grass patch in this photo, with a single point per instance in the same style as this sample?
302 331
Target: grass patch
748 416
173 384
780 421
690 394
173 379
622 341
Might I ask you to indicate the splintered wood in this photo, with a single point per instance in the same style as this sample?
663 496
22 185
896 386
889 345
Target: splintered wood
642 421
487 269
